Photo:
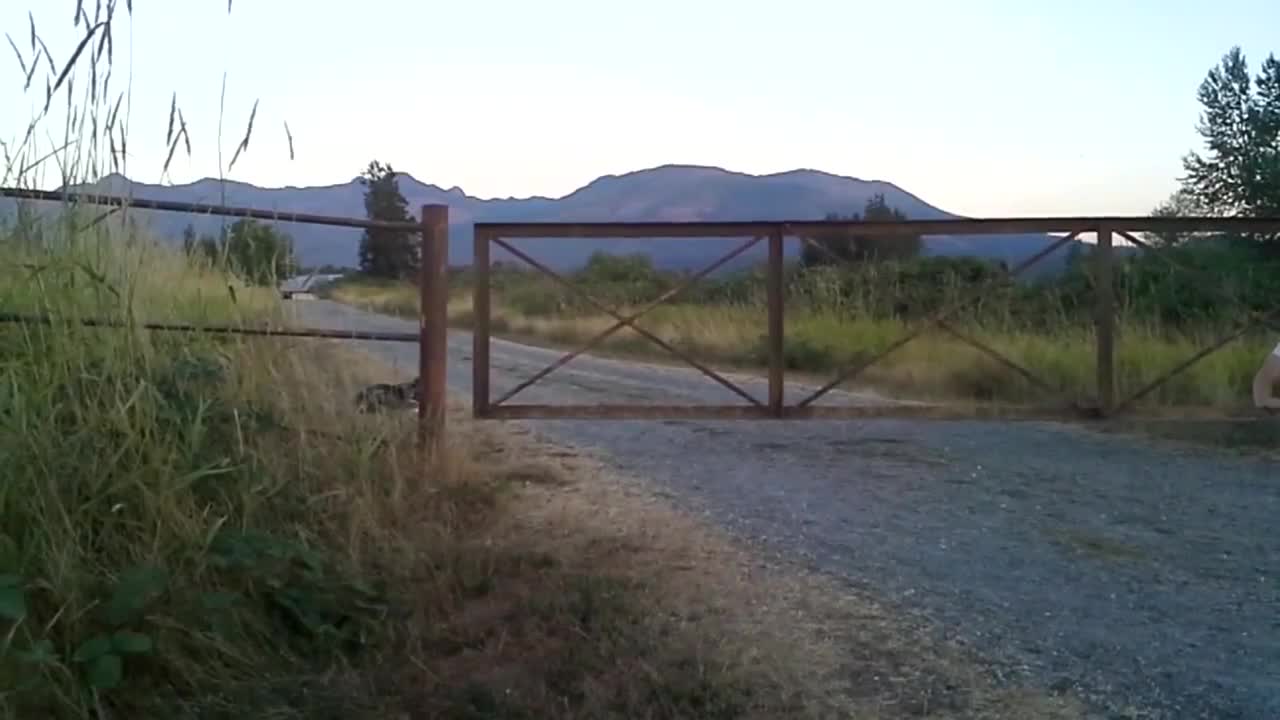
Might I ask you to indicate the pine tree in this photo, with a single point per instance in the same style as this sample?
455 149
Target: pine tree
1240 173
1267 122
392 254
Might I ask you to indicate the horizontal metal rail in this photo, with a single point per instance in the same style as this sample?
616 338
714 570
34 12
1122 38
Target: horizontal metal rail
406 337
207 209
514 411
433 228
1061 231
959 226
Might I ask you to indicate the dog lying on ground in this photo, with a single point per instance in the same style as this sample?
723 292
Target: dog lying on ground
388 396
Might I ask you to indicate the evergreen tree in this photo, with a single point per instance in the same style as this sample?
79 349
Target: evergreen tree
386 253
1240 173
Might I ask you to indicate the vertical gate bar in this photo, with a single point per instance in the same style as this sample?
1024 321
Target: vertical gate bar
424 341
1105 321
432 327
775 291
480 330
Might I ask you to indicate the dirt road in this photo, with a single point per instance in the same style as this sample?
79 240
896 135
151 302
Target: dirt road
1141 574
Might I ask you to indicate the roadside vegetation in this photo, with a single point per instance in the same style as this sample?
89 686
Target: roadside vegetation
836 317
199 526
849 296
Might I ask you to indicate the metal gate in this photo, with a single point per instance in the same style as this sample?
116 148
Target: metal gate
1103 403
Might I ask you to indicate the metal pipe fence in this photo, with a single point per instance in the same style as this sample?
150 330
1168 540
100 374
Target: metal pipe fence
1104 403
433 227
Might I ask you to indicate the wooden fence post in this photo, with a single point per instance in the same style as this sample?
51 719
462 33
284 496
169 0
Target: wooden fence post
776 292
433 333
1105 320
480 327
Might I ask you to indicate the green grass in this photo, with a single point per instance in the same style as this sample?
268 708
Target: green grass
135 463
822 340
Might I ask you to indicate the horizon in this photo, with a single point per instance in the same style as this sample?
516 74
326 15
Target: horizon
970 109
404 173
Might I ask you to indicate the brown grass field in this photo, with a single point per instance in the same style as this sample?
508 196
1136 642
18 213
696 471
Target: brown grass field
935 366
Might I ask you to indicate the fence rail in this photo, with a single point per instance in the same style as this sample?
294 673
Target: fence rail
432 335
1104 403
977 226
320 333
119 201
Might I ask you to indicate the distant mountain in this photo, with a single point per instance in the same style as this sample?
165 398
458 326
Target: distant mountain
666 193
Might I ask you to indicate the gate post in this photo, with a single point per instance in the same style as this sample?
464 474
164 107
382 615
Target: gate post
433 333
480 326
777 329
1105 321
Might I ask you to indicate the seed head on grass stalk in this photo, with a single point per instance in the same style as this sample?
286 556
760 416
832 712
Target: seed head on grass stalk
76 437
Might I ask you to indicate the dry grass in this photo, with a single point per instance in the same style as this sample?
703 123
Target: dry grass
534 582
578 592
934 366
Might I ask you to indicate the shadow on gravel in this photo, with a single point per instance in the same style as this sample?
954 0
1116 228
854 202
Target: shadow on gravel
1252 436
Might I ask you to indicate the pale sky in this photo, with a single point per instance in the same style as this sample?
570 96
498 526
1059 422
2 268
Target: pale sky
984 107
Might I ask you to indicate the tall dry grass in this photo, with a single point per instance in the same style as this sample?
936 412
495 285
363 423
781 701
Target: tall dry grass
823 339
200 526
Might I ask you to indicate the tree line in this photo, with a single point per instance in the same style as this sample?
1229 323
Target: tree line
264 255
258 253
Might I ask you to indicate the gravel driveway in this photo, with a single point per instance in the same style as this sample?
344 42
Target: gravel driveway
1140 574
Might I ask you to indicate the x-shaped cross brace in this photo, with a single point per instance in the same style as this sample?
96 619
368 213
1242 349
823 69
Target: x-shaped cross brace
628 321
1252 320
938 318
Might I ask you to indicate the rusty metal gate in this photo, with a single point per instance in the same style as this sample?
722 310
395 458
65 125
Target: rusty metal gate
1103 403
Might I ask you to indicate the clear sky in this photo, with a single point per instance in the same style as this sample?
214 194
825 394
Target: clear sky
982 107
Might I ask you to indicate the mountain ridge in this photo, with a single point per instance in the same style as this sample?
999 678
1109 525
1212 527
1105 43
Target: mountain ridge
671 192
401 176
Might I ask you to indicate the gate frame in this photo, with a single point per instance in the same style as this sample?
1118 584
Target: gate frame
1103 405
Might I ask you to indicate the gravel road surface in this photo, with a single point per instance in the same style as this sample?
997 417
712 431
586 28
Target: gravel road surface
1138 573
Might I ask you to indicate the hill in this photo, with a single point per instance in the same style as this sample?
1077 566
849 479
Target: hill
666 193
